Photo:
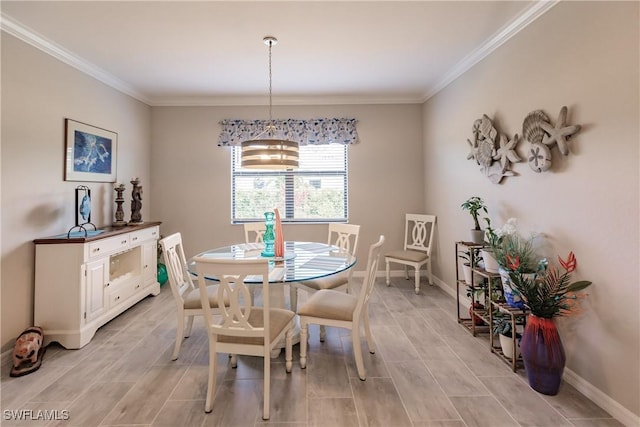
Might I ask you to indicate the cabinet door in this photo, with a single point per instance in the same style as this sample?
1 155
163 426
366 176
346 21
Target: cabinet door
97 278
149 262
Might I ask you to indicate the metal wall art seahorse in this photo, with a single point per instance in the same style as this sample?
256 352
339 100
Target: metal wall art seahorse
493 154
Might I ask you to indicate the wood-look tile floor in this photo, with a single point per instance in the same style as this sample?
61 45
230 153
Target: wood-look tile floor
427 371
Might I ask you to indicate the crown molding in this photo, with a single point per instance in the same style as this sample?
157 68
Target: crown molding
27 35
235 101
507 32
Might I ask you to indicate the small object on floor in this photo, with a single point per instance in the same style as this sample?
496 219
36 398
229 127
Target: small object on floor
28 352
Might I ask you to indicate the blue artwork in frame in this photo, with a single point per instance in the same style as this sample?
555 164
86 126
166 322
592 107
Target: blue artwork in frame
90 153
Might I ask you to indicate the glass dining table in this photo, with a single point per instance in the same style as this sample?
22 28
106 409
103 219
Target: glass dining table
301 261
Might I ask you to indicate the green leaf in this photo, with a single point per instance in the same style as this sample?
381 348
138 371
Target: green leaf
578 286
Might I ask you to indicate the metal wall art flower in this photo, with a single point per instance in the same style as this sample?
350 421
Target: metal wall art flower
494 154
542 136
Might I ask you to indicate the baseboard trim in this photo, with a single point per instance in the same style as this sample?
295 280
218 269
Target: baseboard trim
6 357
601 399
615 409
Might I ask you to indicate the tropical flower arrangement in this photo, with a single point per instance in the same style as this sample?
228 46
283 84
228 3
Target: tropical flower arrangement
548 292
508 242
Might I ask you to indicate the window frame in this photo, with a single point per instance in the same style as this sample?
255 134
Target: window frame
289 175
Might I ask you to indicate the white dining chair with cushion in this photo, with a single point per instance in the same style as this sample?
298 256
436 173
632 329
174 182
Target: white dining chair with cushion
345 237
418 238
334 308
243 328
254 232
185 292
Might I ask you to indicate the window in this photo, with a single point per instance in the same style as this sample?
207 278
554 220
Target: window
316 191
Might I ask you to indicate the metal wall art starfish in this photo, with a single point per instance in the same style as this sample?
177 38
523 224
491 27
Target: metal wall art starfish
559 133
506 153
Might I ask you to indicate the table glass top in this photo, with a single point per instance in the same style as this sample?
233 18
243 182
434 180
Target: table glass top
301 261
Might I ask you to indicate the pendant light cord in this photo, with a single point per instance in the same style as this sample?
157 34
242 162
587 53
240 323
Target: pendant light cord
270 84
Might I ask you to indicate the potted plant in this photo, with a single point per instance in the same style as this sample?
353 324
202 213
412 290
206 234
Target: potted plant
476 295
475 205
491 240
548 293
466 266
503 328
507 243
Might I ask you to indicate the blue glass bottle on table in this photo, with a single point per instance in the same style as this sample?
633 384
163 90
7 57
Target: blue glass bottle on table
269 236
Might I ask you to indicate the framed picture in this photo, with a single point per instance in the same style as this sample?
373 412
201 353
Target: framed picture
90 153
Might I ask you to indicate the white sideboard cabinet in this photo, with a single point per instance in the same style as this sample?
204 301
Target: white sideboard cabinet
83 282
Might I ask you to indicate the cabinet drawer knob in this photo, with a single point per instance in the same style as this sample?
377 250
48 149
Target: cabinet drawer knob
107 285
124 242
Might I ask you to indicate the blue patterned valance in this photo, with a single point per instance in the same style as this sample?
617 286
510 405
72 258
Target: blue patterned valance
311 132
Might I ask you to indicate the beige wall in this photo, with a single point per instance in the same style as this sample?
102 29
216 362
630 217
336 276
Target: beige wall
192 175
38 93
583 55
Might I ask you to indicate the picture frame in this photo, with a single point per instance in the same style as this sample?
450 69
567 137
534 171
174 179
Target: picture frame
90 153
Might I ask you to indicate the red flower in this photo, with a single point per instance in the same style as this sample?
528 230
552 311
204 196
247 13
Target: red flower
513 264
570 264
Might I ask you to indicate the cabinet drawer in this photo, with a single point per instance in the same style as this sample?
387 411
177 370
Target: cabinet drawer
121 294
105 246
142 235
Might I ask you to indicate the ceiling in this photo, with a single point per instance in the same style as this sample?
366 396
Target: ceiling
211 52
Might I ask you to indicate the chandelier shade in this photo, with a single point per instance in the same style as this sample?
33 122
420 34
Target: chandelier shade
269 154
266 150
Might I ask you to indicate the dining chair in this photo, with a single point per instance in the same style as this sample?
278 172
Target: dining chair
244 328
345 237
254 232
185 292
418 237
333 308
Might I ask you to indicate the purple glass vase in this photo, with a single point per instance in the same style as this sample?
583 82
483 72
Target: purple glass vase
543 355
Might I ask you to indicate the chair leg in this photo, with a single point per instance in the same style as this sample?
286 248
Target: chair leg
288 350
293 298
189 326
266 386
367 329
252 292
429 273
179 335
323 333
304 335
357 350
388 271
406 273
211 383
234 360
417 276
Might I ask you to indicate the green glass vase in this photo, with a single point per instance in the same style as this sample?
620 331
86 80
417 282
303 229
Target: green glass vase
269 236
162 274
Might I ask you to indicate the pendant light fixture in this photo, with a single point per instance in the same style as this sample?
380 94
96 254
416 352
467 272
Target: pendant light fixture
266 150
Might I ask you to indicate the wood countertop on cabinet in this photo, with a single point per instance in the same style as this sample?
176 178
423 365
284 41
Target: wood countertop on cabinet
108 231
